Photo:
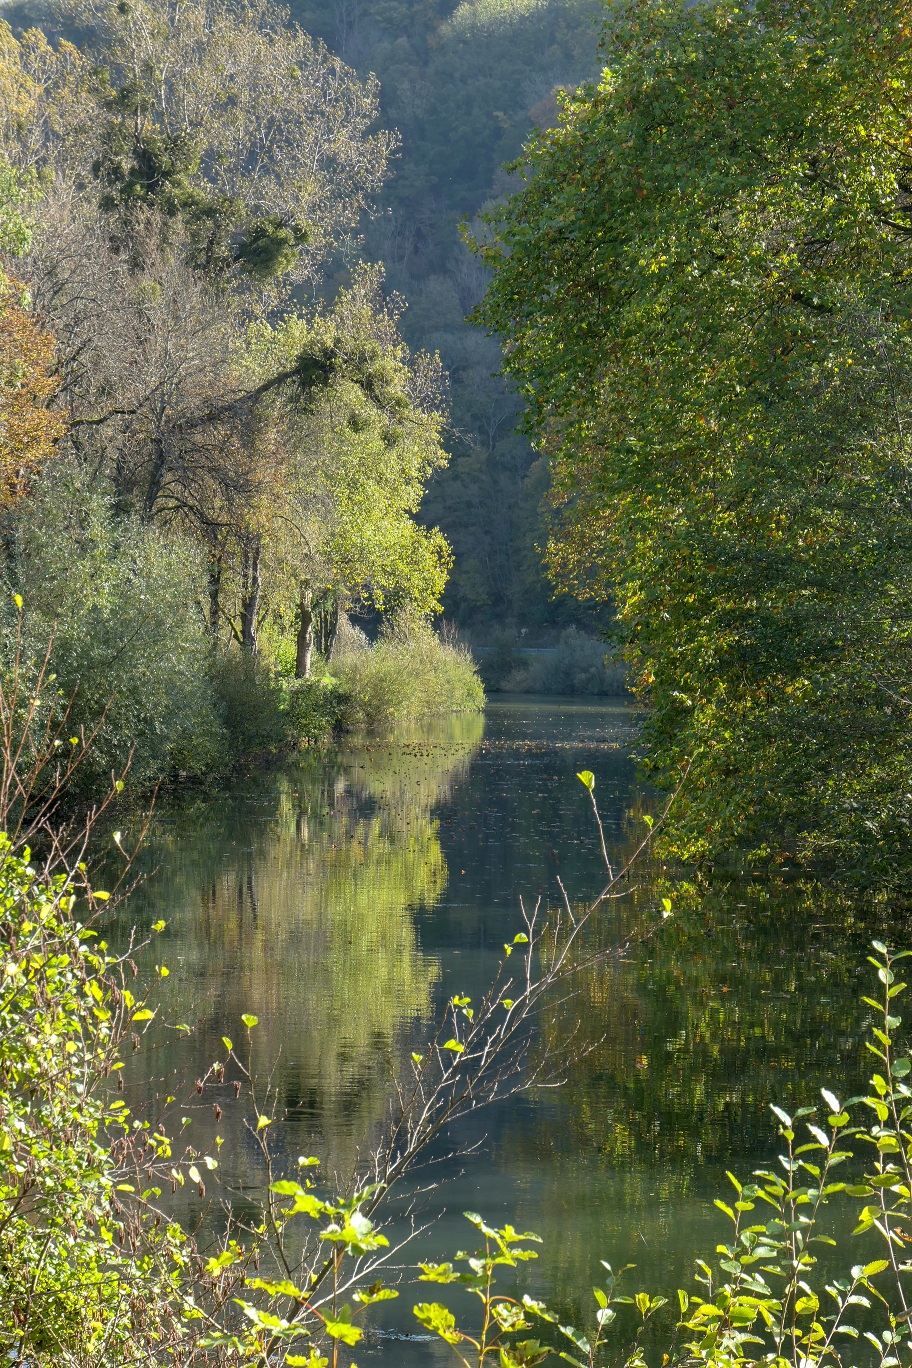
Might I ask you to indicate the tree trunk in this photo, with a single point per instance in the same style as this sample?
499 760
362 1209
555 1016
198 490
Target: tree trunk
251 601
332 629
156 475
215 586
327 624
305 641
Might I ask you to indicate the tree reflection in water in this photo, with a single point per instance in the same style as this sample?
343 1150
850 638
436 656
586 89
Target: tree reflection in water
293 896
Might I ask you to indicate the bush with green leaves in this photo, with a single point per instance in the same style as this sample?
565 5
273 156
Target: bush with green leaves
314 707
86 1278
129 647
249 703
410 673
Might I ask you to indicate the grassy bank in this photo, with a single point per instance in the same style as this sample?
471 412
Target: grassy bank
126 679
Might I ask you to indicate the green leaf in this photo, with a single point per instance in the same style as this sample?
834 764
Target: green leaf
587 778
341 1328
439 1319
249 1020
523 1354
455 1046
438 1273
377 1293
276 1289
575 1337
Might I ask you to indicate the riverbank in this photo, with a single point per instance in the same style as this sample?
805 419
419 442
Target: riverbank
175 709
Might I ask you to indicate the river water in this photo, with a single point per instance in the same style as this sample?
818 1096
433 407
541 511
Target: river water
344 897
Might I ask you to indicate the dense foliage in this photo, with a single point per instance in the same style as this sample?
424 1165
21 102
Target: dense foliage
29 426
461 88
724 217
409 674
82 1278
217 472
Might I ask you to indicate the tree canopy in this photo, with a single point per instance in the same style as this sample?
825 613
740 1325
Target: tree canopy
704 291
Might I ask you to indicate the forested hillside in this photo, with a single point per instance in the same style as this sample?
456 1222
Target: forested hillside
463 87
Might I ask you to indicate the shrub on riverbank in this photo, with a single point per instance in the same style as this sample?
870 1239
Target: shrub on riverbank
133 665
249 703
579 665
88 1277
409 674
314 707
132 661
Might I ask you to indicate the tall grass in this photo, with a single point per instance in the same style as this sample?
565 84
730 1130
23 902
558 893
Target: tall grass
410 673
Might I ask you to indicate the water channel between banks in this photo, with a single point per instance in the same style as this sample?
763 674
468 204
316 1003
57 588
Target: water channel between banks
344 897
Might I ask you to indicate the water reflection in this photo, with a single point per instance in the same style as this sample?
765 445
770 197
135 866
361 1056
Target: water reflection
344 898
293 896
749 995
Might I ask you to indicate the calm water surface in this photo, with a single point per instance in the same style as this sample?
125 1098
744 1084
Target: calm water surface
345 897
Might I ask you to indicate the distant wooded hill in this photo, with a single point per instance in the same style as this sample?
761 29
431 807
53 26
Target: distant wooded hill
464 88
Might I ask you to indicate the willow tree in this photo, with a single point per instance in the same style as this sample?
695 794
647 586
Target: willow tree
704 290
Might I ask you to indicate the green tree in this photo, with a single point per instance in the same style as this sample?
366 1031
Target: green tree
361 424
725 220
221 117
128 646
